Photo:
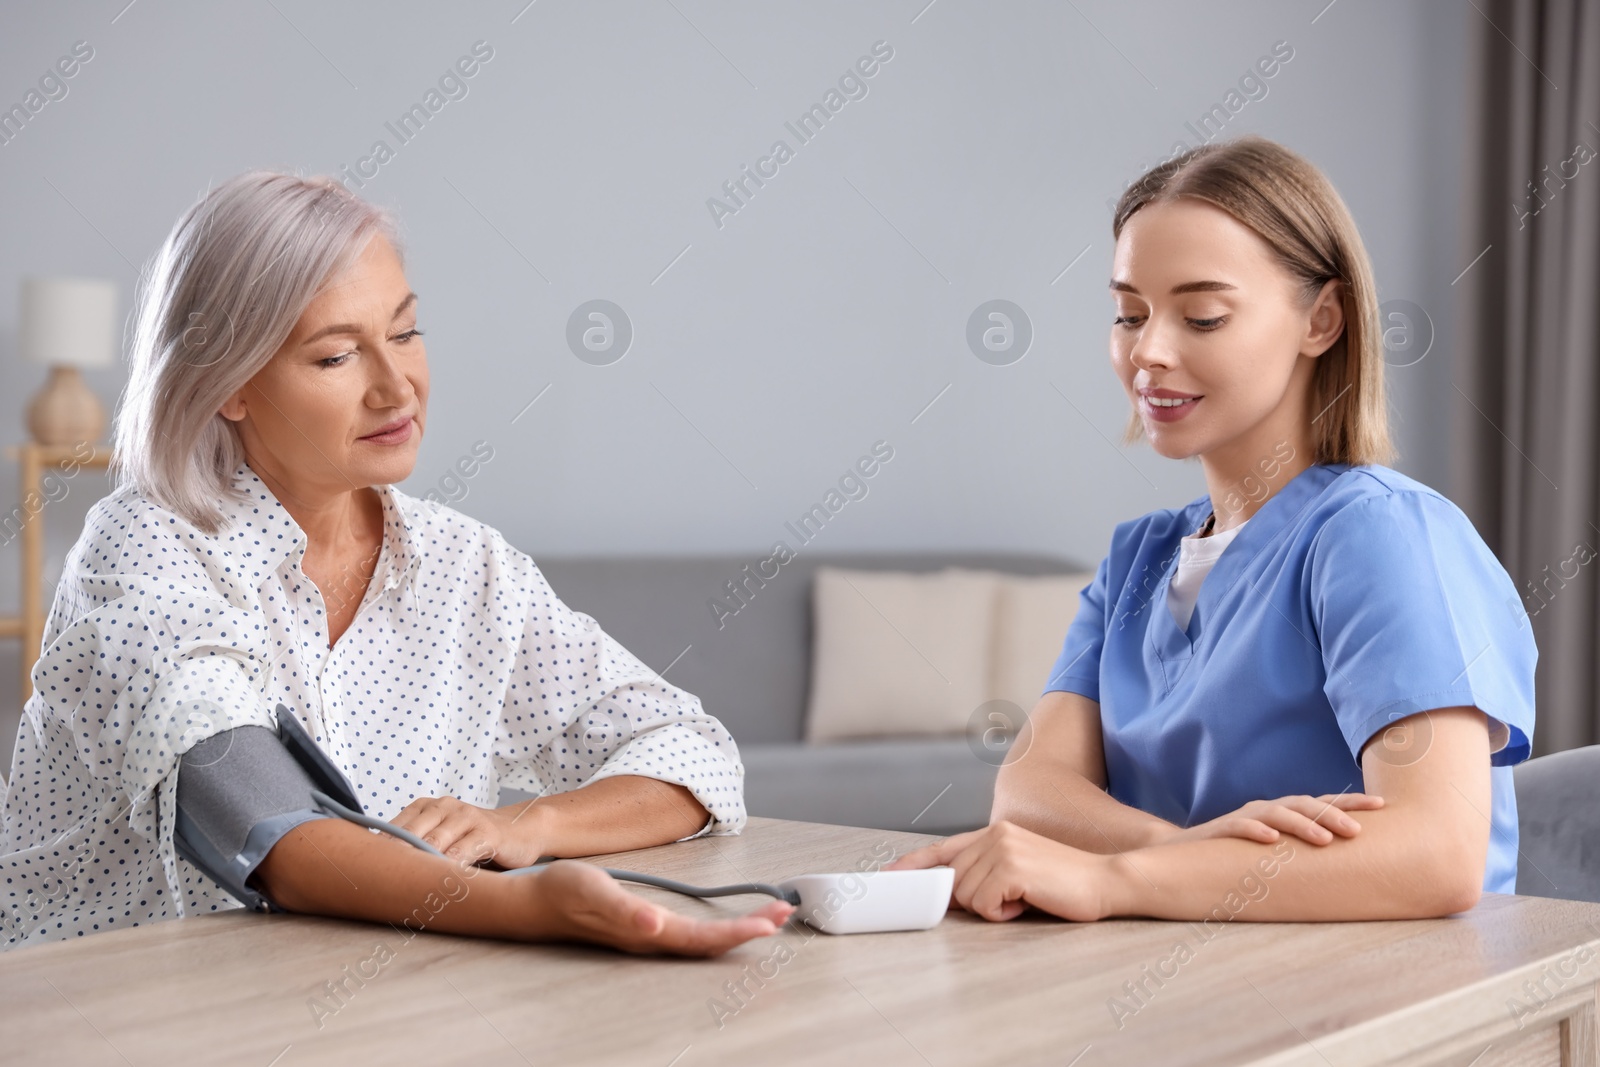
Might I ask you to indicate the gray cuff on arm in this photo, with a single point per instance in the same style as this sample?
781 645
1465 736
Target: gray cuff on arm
239 792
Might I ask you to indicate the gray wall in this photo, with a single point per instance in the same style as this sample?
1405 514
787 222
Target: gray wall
824 315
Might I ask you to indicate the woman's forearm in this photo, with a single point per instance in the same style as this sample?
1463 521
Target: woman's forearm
1395 868
615 814
1054 800
336 868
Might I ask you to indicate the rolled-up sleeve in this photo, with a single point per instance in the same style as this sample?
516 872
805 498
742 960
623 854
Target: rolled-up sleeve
155 664
580 707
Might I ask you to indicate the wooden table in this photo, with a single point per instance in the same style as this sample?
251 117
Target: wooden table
239 988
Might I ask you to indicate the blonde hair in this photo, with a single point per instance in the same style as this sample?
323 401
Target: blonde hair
215 303
1293 207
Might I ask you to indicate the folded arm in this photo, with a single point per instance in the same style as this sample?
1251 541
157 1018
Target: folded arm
1054 783
1421 855
596 712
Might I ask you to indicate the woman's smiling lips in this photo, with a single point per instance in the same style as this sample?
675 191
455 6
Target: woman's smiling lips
1166 405
395 433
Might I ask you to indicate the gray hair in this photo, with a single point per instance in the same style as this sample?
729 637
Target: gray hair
219 298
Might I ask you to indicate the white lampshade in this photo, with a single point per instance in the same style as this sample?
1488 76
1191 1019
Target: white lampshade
68 322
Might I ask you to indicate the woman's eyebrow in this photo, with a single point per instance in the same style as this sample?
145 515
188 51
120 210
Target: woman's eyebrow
346 327
1177 290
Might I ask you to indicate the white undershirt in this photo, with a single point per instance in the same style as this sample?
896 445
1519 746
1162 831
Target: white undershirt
1196 555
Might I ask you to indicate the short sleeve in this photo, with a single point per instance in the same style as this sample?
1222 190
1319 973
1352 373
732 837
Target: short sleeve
1077 669
155 666
580 707
1413 612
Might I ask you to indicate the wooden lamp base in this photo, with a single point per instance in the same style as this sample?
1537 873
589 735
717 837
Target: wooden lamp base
66 411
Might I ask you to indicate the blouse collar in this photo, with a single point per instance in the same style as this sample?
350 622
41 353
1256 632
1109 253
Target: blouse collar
259 531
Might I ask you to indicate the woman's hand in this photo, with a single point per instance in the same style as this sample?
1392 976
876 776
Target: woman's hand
1002 868
573 901
1313 820
470 834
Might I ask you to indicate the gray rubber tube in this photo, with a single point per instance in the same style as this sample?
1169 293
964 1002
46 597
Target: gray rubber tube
737 889
790 895
371 823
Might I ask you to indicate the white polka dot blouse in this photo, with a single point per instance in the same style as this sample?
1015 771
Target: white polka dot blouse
462 672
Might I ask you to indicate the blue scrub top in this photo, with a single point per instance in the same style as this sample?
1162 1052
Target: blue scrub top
1354 597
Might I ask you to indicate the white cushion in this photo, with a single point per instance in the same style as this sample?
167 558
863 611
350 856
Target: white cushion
897 654
1031 619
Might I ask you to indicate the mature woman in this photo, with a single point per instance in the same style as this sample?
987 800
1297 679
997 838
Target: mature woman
1316 636
257 553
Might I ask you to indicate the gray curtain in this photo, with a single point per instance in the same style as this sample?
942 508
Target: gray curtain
1526 381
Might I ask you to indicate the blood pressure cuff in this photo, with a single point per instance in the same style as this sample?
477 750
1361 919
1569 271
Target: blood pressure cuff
241 790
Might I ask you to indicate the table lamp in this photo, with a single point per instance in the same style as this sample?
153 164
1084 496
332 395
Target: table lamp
68 324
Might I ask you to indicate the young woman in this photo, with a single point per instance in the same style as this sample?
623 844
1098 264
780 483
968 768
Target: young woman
257 561
1299 696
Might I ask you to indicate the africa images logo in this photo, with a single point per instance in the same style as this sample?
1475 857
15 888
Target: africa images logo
852 85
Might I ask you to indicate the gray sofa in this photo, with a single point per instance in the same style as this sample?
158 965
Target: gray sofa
752 673
1558 817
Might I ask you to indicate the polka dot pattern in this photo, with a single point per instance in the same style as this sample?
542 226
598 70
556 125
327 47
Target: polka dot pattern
462 672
